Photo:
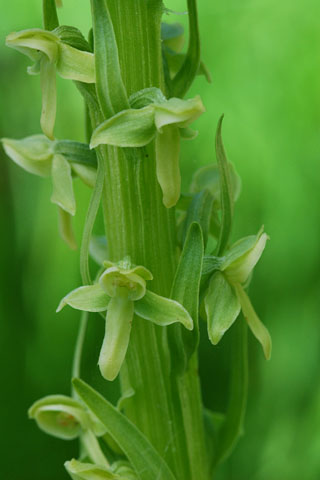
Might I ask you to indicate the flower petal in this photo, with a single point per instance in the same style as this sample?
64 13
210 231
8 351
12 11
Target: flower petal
177 111
243 257
162 311
222 307
49 96
62 193
90 298
74 64
117 335
256 326
167 164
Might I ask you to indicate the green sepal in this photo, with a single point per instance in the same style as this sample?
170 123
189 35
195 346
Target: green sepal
124 469
179 112
50 16
65 228
145 460
109 84
33 154
226 193
185 290
60 416
32 41
89 471
222 307
200 210
167 164
74 64
243 256
162 311
129 128
256 326
62 194
90 298
117 335
145 97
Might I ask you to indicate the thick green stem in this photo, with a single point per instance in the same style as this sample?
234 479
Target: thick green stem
138 224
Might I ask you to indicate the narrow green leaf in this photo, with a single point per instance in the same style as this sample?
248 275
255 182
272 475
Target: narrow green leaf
184 78
232 427
50 17
90 298
256 326
162 311
129 128
226 192
185 290
65 228
146 461
49 97
62 193
109 85
200 211
222 307
167 164
117 335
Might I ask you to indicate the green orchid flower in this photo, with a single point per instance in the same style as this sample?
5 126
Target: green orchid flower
88 471
66 418
166 121
121 290
52 55
43 157
226 294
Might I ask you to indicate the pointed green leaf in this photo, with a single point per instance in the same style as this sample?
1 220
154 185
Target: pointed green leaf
49 96
222 307
179 112
226 192
117 335
144 458
242 258
62 193
110 88
50 17
232 428
33 154
76 64
162 311
167 164
90 298
129 128
200 211
65 228
185 290
60 416
256 326
184 78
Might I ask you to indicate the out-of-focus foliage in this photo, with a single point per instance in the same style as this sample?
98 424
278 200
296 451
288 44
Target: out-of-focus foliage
263 56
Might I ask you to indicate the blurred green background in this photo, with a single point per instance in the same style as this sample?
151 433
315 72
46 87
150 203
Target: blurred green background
264 59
